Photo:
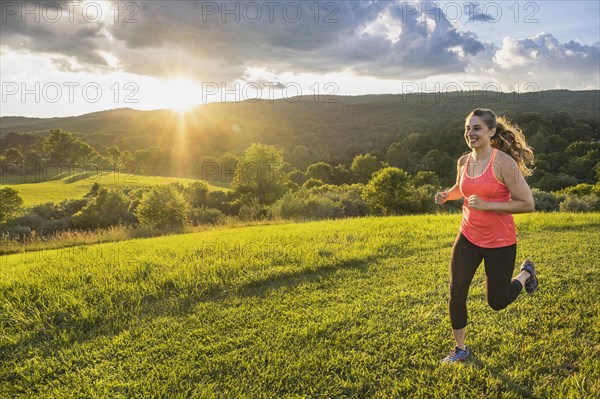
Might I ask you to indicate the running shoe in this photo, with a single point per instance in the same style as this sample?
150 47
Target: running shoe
457 355
531 283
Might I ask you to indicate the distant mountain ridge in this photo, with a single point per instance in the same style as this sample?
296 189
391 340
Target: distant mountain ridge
335 124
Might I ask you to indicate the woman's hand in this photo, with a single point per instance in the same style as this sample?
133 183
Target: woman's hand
477 203
441 197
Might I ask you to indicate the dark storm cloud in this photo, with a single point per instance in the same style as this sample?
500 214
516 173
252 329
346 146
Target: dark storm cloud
220 40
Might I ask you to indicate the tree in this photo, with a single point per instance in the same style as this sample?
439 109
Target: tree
32 160
321 171
14 155
63 148
538 142
426 177
302 157
156 160
104 209
118 159
226 165
260 172
441 163
400 156
341 175
560 120
297 176
196 194
390 191
418 142
363 166
163 208
10 203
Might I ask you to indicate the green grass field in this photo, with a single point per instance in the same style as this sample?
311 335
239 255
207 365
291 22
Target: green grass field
76 185
331 309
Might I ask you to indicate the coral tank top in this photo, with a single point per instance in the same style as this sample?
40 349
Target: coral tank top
486 229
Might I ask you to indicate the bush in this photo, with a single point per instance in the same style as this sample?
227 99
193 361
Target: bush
322 202
390 192
581 189
352 201
220 200
15 232
312 182
204 215
252 209
573 203
423 198
163 208
546 202
10 203
298 177
105 209
306 205
196 194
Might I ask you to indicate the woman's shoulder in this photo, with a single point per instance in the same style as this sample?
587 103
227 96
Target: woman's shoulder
504 159
463 159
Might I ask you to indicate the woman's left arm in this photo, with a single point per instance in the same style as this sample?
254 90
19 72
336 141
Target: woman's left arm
521 199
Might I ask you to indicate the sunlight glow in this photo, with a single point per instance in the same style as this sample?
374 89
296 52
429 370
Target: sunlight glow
180 93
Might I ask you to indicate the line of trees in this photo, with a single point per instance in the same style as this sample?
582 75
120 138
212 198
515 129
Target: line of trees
273 181
262 188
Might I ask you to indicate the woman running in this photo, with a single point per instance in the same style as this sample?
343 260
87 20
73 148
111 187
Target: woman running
490 178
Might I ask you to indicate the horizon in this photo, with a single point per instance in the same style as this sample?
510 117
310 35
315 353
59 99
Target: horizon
62 60
275 100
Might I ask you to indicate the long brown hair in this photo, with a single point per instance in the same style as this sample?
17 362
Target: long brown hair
508 138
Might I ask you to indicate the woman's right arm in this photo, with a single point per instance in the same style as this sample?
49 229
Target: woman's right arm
453 193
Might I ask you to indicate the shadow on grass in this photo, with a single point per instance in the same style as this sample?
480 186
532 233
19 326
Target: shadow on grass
172 301
263 287
498 373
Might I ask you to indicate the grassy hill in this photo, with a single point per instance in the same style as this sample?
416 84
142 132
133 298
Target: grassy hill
347 308
73 186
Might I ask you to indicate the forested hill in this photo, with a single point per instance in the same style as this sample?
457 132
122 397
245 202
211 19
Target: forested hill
337 127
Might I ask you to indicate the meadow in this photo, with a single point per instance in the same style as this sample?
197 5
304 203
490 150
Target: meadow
353 308
36 190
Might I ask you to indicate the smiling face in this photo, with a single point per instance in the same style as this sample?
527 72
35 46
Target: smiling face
477 134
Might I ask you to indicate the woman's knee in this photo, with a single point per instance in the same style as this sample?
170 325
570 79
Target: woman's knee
497 303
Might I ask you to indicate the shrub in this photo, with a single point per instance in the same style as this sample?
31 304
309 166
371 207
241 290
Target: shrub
312 182
306 205
220 200
105 209
196 194
16 232
573 203
546 202
423 198
10 203
163 208
580 189
204 215
252 209
297 176
390 191
321 202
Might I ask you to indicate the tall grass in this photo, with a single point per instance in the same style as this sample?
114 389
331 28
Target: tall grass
347 308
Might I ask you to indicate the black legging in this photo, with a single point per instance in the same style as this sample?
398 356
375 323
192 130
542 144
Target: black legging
501 290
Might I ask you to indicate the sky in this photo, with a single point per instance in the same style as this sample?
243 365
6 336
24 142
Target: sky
62 58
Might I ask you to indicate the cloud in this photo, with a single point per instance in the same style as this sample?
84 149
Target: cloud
38 27
473 11
547 64
544 49
219 41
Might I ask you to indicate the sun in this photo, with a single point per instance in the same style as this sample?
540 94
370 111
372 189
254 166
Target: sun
180 93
